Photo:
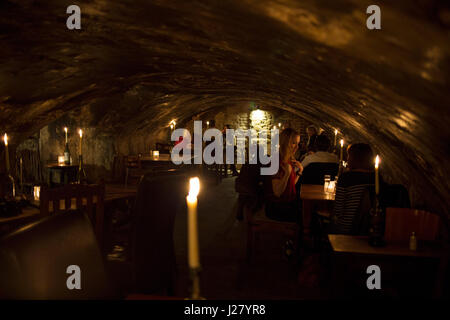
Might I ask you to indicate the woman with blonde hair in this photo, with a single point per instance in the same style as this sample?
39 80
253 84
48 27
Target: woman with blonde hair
282 203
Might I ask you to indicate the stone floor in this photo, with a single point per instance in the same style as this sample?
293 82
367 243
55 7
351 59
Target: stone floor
226 275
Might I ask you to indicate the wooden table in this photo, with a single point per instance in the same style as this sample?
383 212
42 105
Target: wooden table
112 193
67 174
313 197
353 254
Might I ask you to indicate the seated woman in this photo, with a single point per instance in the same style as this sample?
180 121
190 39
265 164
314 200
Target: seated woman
351 189
282 202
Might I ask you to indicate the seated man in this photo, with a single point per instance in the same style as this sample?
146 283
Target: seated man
351 189
319 163
322 145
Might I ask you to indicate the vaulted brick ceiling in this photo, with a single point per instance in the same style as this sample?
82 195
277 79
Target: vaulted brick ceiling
136 64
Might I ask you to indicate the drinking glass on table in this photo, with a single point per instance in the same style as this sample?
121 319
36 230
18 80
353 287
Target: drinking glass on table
327 179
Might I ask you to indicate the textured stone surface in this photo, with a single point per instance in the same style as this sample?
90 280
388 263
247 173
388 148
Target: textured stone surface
135 65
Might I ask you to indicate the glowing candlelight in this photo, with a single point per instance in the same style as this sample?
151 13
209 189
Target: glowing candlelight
37 192
65 130
5 139
335 136
61 160
191 199
279 124
80 132
377 179
342 149
207 124
156 154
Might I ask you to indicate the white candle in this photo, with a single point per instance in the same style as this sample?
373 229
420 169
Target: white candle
377 179
81 140
191 199
5 139
65 130
342 150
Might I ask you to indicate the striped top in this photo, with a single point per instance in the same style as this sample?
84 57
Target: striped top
349 192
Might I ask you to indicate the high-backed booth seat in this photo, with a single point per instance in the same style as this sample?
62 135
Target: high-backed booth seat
314 172
158 200
147 265
34 260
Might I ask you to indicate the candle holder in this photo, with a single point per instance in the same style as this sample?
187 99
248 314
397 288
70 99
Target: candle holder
81 176
376 229
194 276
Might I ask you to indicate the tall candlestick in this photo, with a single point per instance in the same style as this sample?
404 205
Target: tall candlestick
191 199
335 137
377 179
5 139
342 150
65 130
81 140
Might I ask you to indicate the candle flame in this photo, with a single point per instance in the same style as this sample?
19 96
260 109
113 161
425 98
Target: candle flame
81 133
65 129
5 139
335 132
207 123
342 143
279 125
194 188
377 162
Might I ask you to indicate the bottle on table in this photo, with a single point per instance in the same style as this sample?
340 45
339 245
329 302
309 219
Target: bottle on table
67 155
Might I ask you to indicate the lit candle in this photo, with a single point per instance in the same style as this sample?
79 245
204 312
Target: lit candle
61 160
279 125
65 130
5 139
207 124
342 149
156 154
37 192
81 140
191 199
171 126
377 179
335 137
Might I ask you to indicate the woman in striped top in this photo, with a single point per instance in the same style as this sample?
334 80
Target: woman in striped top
351 188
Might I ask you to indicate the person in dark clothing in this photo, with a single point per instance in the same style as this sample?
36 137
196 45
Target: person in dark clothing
351 187
312 135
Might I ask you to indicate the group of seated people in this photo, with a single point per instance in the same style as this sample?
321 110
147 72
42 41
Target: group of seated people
280 192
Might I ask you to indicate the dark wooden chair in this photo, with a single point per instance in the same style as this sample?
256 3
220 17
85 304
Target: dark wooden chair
88 198
133 169
401 222
258 223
